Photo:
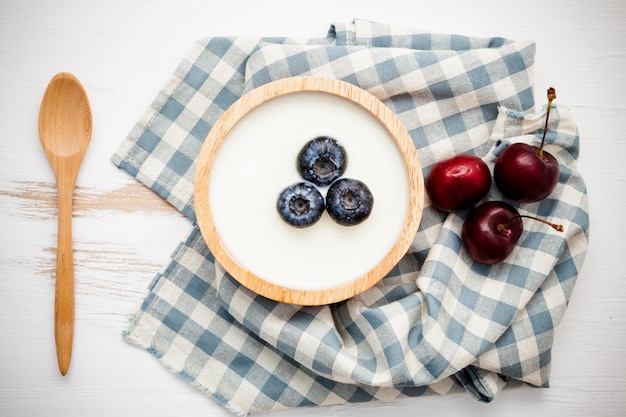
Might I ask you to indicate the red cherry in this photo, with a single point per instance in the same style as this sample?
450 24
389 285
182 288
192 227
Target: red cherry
458 182
492 230
526 173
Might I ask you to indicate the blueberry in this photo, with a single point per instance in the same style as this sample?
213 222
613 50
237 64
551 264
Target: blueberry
349 201
322 160
301 204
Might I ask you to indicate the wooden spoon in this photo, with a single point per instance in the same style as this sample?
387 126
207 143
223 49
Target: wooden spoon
65 126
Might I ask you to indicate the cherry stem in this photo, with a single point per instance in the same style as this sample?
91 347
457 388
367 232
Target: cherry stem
551 97
504 227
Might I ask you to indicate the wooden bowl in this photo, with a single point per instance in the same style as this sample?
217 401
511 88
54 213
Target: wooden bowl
249 156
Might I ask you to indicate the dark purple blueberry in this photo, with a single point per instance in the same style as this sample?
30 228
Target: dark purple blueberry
349 201
301 205
322 160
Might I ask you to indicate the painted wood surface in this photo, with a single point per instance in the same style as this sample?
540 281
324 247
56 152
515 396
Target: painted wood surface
123 233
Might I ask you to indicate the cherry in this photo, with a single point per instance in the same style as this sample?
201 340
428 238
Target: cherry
492 230
526 173
458 182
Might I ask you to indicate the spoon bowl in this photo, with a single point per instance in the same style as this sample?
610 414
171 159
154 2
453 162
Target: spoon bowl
65 128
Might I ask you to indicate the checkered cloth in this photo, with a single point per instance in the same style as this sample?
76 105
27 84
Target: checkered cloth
438 323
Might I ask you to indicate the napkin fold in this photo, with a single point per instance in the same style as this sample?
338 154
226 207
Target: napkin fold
438 323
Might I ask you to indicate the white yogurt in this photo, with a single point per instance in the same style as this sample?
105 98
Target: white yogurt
257 160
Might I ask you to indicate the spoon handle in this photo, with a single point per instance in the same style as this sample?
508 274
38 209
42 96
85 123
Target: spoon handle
64 290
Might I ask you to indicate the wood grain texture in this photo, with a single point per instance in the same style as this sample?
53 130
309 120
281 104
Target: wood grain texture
124 233
37 200
65 128
219 133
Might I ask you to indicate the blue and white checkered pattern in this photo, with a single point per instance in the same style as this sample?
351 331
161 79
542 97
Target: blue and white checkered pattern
437 323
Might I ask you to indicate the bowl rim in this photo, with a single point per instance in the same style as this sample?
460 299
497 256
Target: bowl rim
255 98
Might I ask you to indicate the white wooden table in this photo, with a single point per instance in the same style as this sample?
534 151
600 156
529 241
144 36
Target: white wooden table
123 51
